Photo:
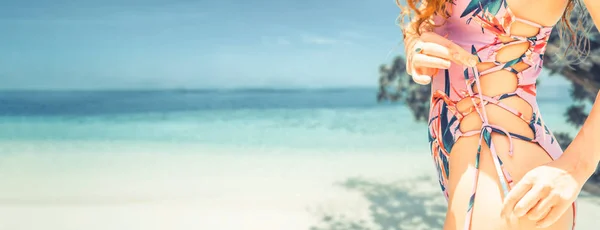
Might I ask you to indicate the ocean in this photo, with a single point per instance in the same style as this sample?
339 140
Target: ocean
246 159
303 118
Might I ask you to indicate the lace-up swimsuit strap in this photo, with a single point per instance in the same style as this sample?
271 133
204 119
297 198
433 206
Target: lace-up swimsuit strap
472 76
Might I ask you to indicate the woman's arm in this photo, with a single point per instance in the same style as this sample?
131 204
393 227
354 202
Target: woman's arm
419 65
593 7
428 52
584 151
546 192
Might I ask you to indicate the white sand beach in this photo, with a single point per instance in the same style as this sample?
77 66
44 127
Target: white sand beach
118 186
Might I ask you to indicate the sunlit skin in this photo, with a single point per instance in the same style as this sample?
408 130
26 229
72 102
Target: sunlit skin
544 189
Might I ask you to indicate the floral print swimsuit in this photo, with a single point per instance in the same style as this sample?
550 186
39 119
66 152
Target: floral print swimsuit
477 26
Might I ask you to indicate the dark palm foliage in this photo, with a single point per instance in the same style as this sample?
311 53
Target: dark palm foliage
395 85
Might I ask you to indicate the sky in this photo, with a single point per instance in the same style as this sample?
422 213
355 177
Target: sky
150 44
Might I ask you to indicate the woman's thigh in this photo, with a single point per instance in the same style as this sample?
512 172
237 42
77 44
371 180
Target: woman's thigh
488 199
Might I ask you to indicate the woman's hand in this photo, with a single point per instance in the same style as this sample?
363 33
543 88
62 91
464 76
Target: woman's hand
430 52
545 193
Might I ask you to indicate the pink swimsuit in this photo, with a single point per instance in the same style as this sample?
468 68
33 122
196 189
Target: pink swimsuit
476 26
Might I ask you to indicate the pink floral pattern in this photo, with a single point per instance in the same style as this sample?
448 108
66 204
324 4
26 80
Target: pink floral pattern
478 26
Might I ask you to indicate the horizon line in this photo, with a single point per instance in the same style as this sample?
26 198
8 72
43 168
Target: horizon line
211 89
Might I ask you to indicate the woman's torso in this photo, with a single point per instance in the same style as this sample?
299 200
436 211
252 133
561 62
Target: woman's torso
511 51
486 118
484 28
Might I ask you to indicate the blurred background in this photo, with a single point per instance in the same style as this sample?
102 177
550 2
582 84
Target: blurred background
229 114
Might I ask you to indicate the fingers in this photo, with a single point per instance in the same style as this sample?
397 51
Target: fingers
433 52
419 75
457 53
421 79
529 200
543 208
434 49
423 60
555 213
426 71
423 76
427 61
515 195
423 67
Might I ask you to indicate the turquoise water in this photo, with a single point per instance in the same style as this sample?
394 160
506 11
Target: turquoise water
266 159
325 119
